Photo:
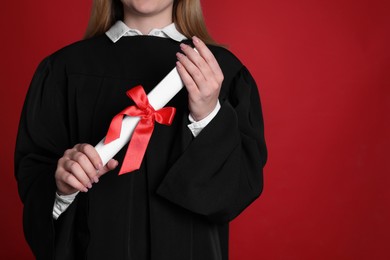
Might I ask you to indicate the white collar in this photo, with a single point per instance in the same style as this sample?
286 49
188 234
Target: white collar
120 29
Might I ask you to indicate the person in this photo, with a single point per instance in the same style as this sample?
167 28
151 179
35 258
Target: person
196 175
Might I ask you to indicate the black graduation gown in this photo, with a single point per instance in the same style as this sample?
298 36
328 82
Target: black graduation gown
178 205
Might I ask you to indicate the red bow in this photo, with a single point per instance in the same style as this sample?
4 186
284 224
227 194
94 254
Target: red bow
144 129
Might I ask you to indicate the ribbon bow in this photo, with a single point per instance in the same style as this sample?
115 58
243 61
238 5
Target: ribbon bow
144 129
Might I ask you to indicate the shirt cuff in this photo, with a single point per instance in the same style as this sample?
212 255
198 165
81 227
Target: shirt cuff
61 203
197 126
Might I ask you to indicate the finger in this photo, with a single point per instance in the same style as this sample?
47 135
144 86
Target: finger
210 80
191 68
209 57
111 164
196 58
77 171
189 83
198 87
85 163
198 61
65 181
92 154
94 163
72 181
192 77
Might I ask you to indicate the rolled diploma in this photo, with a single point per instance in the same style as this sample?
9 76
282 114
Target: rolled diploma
158 97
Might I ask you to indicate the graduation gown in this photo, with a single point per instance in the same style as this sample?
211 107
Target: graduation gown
178 205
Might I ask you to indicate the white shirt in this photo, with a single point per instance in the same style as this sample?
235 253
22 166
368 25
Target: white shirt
115 33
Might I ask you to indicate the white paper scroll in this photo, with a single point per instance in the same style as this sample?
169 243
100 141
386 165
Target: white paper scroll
158 97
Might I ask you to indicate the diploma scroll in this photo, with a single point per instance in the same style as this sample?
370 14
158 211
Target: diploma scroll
158 97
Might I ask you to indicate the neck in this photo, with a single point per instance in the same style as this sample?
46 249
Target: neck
146 23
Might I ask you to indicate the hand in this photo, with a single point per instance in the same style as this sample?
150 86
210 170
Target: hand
78 168
202 77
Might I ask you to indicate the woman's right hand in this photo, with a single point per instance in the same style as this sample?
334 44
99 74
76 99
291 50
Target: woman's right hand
79 168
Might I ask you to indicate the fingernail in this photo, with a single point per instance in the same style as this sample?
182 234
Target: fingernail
89 185
100 165
179 55
183 46
96 179
178 64
195 39
85 189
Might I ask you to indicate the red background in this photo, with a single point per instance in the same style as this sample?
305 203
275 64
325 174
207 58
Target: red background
323 70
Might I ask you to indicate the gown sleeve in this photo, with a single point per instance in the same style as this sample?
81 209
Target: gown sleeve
221 171
42 138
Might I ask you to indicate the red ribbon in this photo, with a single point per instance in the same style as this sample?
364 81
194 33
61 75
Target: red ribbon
144 129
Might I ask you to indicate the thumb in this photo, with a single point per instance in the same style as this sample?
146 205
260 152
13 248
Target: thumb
111 164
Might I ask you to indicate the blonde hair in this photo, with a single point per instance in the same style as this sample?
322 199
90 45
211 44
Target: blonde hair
187 16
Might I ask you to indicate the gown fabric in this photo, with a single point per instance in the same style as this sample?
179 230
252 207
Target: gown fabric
178 205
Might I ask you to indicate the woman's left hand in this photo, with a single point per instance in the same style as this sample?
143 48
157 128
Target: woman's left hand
202 77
